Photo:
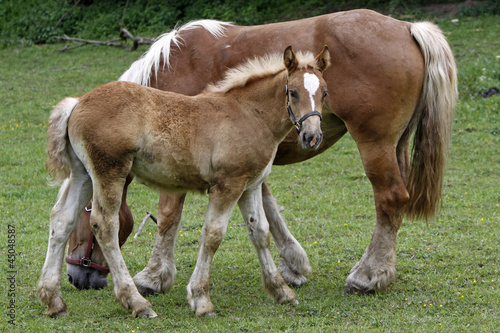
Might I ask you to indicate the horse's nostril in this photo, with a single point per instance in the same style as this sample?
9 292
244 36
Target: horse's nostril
70 279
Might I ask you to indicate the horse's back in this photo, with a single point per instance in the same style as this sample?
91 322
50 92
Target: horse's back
373 56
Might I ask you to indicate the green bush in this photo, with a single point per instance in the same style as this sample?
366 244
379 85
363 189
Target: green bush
39 21
30 20
483 8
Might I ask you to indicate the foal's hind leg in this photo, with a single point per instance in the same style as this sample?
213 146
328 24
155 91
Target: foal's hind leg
251 208
104 223
73 196
159 274
377 267
294 263
222 199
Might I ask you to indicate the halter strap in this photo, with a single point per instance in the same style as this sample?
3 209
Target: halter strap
85 261
298 123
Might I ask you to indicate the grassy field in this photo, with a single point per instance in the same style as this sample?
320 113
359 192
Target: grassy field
448 270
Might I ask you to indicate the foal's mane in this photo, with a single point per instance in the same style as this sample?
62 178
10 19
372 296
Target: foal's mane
256 68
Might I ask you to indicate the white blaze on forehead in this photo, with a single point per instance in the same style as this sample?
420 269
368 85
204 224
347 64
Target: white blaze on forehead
311 83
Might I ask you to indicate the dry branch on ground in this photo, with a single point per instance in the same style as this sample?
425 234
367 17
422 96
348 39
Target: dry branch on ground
124 36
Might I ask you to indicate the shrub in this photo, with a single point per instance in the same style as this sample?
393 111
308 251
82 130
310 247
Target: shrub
39 21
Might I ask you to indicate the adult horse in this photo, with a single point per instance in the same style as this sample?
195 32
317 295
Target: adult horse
388 80
179 143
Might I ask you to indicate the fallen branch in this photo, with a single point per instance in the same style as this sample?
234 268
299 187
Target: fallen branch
124 35
141 226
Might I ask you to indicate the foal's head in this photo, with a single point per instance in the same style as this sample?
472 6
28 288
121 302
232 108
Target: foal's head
306 92
305 87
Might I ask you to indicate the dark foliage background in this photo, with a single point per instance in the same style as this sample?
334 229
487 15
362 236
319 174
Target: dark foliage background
38 21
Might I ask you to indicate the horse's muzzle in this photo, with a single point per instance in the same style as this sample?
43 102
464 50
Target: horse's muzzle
86 278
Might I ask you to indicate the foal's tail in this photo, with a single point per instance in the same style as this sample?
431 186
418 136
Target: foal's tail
433 120
58 163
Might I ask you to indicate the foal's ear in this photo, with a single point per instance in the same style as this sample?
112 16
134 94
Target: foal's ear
290 59
323 59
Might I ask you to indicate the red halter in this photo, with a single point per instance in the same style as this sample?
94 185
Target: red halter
86 261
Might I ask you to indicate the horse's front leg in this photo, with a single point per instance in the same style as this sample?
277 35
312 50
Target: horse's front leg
159 274
252 210
73 196
104 223
377 267
294 263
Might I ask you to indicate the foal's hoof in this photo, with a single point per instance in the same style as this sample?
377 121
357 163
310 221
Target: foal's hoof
353 290
207 314
203 309
145 313
57 308
57 314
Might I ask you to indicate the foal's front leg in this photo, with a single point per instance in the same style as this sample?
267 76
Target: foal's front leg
252 210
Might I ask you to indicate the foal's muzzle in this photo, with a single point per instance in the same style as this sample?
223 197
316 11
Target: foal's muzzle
310 136
310 140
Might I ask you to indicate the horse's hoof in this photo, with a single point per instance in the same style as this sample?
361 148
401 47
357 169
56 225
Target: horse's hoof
353 290
291 278
145 291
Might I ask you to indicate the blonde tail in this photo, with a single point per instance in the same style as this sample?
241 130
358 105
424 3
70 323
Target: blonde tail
58 162
434 118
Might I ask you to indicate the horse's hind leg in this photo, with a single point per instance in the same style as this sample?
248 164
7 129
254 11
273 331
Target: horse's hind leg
377 267
159 274
294 263
104 223
73 196
252 210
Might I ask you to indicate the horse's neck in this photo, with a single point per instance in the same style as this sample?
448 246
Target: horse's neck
265 98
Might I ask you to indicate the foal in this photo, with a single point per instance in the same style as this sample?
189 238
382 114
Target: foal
177 143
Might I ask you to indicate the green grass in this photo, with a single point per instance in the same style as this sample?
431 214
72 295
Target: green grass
448 271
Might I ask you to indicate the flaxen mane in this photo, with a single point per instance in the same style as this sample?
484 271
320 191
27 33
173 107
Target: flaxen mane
258 68
159 53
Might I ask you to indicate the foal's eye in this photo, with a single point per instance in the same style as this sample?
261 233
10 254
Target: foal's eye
294 93
324 95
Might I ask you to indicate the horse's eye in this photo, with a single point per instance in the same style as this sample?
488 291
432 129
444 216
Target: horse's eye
294 94
324 95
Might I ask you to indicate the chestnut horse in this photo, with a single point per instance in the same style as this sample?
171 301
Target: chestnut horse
389 79
178 143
